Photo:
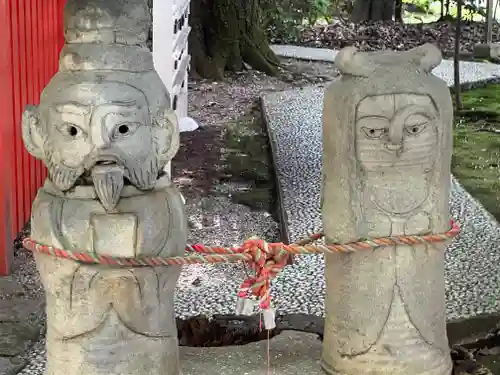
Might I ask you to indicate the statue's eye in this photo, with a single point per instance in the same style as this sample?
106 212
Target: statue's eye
70 130
415 123
124 129
415 129
373 133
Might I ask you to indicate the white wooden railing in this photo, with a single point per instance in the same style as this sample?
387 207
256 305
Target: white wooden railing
170 54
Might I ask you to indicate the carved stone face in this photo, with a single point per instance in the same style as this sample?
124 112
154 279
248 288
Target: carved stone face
100 134
396 140
88 125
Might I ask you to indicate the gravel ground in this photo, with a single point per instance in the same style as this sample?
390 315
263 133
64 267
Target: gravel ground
369 36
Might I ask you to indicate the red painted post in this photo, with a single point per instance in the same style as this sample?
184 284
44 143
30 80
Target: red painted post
30 42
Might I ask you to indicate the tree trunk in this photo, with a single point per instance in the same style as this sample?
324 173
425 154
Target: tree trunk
398 11
226 34
372 10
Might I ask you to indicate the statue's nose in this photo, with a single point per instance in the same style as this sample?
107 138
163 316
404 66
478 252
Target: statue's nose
100 139
395 137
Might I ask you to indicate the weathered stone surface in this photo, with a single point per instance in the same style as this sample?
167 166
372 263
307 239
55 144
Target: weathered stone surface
17 310
16 331
11 366
386 165
15 337
105 130
9 286
290 353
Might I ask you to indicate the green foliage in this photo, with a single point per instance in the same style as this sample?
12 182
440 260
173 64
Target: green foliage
471 11
422 6
284 19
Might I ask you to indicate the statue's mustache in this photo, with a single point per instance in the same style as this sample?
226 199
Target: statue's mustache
143 174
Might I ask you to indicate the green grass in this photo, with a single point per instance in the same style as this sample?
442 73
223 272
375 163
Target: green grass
476 150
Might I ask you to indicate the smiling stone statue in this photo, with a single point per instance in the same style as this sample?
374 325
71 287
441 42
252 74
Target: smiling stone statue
386 172
105 130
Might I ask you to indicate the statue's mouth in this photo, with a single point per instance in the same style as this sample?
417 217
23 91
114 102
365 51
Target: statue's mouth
106 162
101 164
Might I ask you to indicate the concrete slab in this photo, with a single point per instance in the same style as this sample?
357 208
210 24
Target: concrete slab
473 259
290 353
305 53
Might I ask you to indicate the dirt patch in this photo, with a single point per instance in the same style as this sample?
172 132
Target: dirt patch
247 161
197 160
231 145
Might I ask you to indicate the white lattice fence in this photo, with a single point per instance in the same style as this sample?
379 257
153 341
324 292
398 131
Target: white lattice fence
170 53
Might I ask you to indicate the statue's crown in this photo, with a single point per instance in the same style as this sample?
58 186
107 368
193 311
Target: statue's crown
106 35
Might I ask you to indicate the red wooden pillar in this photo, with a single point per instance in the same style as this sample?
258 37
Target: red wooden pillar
31 38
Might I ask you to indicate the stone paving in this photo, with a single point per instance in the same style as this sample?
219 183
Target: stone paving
18 324
294 125
290 353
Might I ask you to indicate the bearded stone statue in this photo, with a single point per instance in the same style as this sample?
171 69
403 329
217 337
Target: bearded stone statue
105 130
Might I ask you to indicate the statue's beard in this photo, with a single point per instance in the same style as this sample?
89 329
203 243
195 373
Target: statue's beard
108 181
397 193
62 176
107 178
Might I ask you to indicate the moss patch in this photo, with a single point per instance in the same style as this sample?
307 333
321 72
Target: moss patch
248 160
476 150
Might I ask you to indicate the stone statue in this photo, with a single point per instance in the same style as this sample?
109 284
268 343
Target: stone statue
105 130
387 139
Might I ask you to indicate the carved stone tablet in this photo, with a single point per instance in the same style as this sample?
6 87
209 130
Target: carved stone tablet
387 138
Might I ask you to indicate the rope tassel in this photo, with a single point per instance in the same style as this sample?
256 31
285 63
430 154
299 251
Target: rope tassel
269 316
244 306
266 259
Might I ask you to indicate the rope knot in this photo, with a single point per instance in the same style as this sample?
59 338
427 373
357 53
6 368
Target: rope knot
268 260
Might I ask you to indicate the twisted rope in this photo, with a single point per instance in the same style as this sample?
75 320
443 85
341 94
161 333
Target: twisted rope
266 259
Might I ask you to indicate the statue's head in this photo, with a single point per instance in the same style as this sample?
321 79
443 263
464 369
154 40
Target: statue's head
387 123
104 119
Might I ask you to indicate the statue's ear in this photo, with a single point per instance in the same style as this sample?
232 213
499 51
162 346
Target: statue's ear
32 132
427 56
350 61
167 128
